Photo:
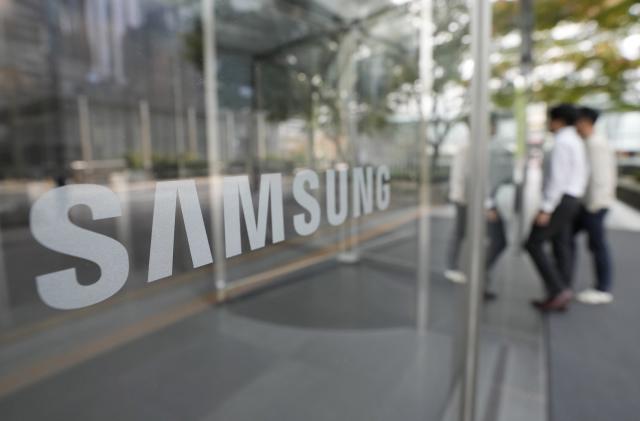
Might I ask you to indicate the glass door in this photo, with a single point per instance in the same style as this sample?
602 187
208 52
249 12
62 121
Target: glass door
231 210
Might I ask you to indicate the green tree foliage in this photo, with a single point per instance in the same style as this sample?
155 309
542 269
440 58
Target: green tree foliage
587 58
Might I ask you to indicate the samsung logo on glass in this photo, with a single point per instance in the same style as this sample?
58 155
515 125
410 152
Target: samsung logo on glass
51 226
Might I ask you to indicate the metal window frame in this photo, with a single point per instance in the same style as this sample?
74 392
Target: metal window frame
480 133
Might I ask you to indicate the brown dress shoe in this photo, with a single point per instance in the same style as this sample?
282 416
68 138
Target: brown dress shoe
558 303
540 302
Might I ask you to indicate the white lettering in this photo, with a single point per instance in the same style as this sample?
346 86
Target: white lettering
339 216
307 201
383 191
51 227
237 193
362 191
164 226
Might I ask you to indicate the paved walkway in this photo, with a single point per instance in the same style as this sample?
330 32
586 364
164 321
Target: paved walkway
593 357
593 350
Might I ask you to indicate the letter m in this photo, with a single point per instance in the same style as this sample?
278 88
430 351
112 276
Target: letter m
237 193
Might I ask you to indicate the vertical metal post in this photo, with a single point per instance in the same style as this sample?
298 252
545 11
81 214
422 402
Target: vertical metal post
13 115
353 224
520 175
192 123
254 146
213 144
480 41
178 114
521 89
229 141
424 227
257 141
85 129
261 134
347 78
55 152
145 135
311 141
15 159
5 302
527 24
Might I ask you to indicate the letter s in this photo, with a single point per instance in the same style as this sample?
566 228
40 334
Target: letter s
51 227
307 201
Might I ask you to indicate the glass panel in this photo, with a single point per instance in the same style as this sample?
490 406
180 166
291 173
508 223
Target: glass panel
512 366
215 213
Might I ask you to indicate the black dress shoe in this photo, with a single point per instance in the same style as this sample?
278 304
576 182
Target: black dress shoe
490 296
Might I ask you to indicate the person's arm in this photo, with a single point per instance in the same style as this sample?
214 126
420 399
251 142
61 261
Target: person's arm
601 170
560 173
610 176
613 173
603 174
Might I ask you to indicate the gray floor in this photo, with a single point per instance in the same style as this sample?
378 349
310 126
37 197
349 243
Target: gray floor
595 362
239 362
334 343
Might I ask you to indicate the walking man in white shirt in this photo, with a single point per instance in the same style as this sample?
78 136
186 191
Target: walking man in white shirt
599 197
565 184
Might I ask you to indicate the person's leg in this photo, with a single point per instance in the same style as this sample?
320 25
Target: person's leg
538 237
561 244
497 241
562 238
496 245
578 226
559 229
600 249
455 243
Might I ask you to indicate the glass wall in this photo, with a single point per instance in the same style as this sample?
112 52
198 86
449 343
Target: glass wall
231 209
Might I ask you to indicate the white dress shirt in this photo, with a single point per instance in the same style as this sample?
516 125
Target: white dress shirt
601 191
569 169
